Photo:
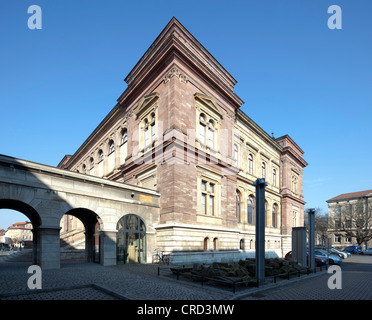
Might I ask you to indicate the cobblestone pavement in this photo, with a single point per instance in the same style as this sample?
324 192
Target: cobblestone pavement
88 281
356 281
73 281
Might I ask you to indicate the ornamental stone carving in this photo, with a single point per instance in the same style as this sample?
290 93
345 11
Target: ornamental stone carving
174 72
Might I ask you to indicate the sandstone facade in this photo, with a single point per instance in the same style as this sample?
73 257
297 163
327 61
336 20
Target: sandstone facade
178 129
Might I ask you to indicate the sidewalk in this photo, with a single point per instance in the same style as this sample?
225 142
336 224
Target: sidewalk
356 285
88 281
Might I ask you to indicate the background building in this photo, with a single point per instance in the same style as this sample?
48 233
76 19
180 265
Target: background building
178 129
19 235
350 219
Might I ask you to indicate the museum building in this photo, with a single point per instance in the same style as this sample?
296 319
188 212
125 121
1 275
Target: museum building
178 129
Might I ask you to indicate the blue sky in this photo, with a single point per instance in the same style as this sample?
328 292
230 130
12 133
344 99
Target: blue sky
295 75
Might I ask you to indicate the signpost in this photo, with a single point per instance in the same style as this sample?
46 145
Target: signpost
311 238
260 229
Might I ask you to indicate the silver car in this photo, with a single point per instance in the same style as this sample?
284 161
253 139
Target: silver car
339 253
333 259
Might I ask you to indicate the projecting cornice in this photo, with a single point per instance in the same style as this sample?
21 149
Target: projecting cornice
176 42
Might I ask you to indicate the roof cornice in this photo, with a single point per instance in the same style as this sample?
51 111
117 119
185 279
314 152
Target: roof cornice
176 41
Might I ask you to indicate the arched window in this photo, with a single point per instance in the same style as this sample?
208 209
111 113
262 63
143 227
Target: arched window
250 210
274 219
274 177
123 145
152 127
215 244
100 163
241 244
206 244
238 200
202 126
91 163
211 134
111 146
149 130
84 169
250 164
263 170
124 136
207 131
111 156
100 156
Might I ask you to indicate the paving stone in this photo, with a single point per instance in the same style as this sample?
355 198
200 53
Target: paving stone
88 281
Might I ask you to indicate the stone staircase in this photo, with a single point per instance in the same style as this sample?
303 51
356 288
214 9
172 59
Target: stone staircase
74 239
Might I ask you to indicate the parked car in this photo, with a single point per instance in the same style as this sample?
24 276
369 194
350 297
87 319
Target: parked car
332 258
368 251
347 252
339 253
319 261
354 249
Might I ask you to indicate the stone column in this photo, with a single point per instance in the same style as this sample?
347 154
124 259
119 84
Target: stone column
89 246
108 248
48 247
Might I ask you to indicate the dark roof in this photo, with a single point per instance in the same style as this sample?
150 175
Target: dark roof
351 195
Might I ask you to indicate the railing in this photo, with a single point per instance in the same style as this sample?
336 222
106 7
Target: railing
250 283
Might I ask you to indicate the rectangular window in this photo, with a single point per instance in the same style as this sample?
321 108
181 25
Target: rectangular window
211 205
147 137
153 132
203 204
208 198
211 188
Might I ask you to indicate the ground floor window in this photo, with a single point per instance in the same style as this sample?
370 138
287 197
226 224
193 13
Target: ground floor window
131 240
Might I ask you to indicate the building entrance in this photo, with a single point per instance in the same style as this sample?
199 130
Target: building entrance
131 240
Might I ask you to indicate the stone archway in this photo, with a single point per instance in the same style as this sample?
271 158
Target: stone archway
92 225
34 218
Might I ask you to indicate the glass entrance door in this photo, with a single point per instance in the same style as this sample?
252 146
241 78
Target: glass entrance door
131 240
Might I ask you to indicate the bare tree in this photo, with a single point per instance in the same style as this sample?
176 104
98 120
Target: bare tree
321 224
354 221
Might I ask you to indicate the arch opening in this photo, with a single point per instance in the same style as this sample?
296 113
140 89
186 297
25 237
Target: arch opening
20 235
79 236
